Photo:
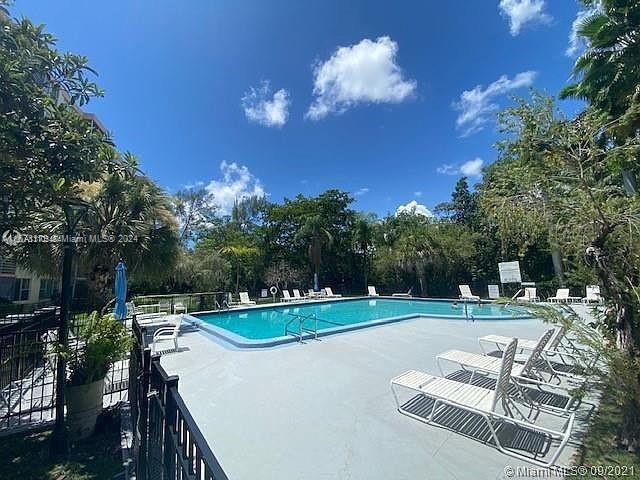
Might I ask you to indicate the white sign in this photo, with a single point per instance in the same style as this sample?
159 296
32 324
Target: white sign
494 291
509 272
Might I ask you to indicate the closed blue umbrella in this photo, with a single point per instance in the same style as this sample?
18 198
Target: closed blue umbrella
120 309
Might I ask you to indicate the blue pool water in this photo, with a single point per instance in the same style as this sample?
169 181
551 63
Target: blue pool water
270 322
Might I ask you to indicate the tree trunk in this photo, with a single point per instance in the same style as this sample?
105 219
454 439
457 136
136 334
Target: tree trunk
556 257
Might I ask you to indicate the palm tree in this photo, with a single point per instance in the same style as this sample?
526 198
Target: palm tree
413 251
314 232
609 68
363 243
240 254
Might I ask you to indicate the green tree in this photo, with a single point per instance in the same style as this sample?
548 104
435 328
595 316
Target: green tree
609 69
463 207
317 237
194 210
46 145
241 256
363 243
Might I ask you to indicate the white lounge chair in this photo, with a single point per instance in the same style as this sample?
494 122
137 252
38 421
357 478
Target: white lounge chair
180 306
408 294
286 296
562 296
484 403
245 300
167 334
465 293
560 349
530 295
372 291
296 294
593 295
330 293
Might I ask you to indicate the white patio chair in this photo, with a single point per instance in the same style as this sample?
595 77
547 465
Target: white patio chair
245 300
296 294
530 295
481 402
465 293
593 295
167 334
329 293
372 291
286 296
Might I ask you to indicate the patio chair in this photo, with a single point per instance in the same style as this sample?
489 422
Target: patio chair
465 293
457 405
372 291
527 377
562 296
296 294
530 295
286 296
593 295
180 305
245 300
330 293
167 334
408 294
563 356
141 311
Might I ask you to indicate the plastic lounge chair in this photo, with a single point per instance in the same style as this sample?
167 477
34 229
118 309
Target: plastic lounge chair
559 351
526 376
562 296
530 295
482 403
465 293
408 294
180 306
296 294
245 300
372 291
330 293
286 296
167 334
593 294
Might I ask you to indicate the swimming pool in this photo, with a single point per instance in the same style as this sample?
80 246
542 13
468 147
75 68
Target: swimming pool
265 326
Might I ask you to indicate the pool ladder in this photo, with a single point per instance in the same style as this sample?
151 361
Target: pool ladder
301 328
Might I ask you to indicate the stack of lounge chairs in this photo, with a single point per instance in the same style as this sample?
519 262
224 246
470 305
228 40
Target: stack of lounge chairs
519 388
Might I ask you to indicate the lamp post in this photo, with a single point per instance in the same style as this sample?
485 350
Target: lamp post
74 210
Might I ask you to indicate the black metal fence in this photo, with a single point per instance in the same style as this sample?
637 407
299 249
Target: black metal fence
167 443
28 346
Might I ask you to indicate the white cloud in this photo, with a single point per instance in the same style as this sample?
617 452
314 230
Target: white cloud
361 191
237 183
476 105
576 43
447 169
366 72
520 12
470 168
263 108
417 193
414 208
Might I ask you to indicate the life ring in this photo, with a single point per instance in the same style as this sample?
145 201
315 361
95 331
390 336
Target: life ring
273 290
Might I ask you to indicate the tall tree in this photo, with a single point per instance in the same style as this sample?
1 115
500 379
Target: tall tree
363 243
194 209
317 237
609 68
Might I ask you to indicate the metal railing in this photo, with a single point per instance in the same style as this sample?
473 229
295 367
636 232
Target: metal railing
201 301
167 443
28 360
301 328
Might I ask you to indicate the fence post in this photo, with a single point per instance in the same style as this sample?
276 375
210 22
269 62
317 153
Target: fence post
170 429
144 413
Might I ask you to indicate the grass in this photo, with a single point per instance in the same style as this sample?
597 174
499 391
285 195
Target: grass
26 455
600 450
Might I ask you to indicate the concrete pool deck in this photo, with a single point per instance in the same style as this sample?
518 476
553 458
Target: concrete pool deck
324 409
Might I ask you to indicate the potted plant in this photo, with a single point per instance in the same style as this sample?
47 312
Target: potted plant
103 341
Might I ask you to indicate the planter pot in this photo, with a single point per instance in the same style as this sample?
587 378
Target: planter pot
84 404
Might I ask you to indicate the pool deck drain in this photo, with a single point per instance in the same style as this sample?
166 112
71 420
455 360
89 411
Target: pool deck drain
324 409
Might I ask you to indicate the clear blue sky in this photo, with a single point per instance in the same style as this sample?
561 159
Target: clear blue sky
384 116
